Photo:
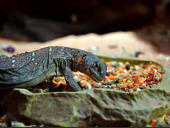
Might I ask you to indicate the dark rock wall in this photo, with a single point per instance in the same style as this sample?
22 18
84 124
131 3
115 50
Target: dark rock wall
39 20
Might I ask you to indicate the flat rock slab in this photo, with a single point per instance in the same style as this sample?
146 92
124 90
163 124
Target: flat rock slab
101 107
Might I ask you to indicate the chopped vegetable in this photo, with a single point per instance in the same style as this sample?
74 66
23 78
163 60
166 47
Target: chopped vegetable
121 76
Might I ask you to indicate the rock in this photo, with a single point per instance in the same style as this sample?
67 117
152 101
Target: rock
17 124
53 19
101 107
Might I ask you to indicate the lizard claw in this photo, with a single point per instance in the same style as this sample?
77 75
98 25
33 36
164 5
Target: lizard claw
74 86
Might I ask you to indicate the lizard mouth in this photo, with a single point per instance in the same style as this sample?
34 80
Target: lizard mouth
96 76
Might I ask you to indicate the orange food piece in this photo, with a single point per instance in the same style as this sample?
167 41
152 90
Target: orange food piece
124 87
131 78
111 77
60 82
112 73
124 80
136 85
109 68
106 78
120 70
74 74
114 87
141 81
153 122
166 119
145 87
83 82
125 76
131 85
158 74
141 75
57 83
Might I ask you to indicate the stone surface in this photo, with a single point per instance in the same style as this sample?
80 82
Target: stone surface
116 43
87 108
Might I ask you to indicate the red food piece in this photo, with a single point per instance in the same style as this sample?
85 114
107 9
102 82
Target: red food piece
161 72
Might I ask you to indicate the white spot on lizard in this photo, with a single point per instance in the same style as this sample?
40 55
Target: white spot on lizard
33 53
50 49
13 61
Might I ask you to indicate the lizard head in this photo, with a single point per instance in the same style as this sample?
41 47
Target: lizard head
92 66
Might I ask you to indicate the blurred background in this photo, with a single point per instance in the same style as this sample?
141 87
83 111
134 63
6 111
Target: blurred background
40 20
119 27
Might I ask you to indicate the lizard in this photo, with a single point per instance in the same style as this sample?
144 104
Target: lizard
31 68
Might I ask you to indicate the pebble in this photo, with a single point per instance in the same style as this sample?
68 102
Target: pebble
94 48
156 71
144 84
138 53
116 81
89 86
107 73
127 67
4 46
128 87
138 89
158 78
137 67
17 124
76 78
8 48
112 85
114 63
125 80
79 73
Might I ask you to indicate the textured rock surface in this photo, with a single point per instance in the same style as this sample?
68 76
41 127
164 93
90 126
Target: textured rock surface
87 108
101 107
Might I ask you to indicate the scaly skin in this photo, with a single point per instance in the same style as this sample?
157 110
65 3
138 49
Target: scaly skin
31 68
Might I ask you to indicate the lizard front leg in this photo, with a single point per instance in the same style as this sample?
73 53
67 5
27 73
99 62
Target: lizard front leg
67 72
70 81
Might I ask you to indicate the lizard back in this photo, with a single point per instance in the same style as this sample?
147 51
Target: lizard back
23 67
